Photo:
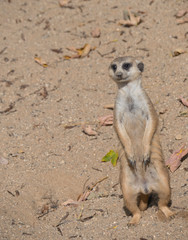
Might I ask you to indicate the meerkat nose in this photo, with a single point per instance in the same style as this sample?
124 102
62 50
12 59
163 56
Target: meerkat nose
119 74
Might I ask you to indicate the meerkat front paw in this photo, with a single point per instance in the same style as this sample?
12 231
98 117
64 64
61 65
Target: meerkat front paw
132 162
146 161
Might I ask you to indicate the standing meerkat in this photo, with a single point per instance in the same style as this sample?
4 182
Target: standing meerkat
142 168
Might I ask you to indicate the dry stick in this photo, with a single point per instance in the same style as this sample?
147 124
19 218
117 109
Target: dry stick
11 106
63 218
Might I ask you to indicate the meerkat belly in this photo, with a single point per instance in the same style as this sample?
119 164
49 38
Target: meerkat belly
135 117
143 183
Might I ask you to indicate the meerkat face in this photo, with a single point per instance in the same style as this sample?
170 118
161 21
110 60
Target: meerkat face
125 69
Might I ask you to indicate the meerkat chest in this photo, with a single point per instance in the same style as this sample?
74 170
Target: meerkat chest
131 102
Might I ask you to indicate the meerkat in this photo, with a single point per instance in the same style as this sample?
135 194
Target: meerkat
142 168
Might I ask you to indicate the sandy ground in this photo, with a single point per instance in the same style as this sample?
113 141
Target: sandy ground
48 164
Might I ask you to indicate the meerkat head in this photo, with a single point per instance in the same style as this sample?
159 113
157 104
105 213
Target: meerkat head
125 69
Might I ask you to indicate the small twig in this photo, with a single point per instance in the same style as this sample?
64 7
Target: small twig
101 180
63 218
42 215
59 230
80 215
2 51
10 193
10 107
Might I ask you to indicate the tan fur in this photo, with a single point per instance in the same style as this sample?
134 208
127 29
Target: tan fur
142 168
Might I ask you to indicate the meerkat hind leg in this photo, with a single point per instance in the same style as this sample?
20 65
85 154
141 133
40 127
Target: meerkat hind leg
164 198
131 203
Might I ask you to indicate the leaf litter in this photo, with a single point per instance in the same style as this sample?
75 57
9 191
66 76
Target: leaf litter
84 195
80 52
41 62
111 156
130 19
96 32
184 101
87 129
182 16
174 161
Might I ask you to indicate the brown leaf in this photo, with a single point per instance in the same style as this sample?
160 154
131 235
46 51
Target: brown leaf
63 3
181 13
106 120
41 62
43 92
184 101
57 50
83 52
131 21
70 202
109 106
89 131
177 52
182 20
175 160
80 52
96 32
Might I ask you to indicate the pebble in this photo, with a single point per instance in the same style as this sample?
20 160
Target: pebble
178 137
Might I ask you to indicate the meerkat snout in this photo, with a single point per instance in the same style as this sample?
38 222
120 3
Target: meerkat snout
125 69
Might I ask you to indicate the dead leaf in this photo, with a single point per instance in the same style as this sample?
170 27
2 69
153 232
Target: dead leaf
57 50
63 3
184 101
163 111
181 13
131 20
183 114
3 161
89 131
109 106
177 52
175 160
41 62
182 20
70 202
83 197
80 52
96 32
45 208
43 92
10 107
106 120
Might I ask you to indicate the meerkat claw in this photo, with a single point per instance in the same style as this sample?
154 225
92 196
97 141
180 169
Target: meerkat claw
146 162
132 163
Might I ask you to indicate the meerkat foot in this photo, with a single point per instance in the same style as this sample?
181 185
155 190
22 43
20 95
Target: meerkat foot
167 212
135 220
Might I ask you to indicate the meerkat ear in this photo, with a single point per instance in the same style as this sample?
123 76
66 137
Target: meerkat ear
140 66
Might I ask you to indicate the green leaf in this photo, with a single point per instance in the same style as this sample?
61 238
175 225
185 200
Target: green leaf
111 156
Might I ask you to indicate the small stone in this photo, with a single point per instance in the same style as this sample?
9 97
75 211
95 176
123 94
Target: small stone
178 137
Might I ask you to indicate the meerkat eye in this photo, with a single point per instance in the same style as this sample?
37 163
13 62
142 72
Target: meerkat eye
114 67
126 66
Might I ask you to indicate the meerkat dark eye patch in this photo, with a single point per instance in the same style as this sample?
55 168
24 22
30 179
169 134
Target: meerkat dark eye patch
141 66
127 66
114 67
